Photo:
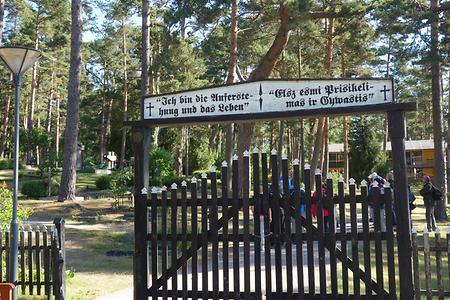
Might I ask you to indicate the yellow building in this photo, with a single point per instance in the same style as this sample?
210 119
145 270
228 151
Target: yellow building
419 157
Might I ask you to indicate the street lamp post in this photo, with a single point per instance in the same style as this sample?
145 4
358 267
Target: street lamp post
18 60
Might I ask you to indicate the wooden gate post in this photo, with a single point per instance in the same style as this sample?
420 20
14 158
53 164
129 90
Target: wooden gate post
140 140
397 133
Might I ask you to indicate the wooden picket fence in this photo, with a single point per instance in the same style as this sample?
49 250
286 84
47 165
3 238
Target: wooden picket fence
431 261
41 259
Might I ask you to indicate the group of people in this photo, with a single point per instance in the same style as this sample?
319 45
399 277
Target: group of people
429 192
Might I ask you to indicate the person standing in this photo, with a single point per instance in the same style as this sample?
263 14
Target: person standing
427 193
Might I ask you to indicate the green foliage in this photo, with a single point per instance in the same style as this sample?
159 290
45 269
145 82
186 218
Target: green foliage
365 148
39 188
6 164
6 206
161 163
169 180
121 182
103 182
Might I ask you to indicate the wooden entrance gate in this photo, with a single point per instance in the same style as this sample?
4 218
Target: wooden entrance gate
202 241
206 244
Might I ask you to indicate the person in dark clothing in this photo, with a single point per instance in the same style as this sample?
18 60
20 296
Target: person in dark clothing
427 193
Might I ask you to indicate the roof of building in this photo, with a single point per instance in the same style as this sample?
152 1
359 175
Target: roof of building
409 145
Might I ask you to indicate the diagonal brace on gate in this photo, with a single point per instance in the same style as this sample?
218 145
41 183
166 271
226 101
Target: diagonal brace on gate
170 272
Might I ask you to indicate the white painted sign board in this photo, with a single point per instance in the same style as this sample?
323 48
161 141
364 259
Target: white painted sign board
269 96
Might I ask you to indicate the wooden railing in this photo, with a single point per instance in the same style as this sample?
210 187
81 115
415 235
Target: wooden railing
41 259
431 261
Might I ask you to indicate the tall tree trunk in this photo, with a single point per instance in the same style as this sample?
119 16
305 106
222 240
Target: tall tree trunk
302 121
102 146
5 126
48 126
345 124
448 138
231 76
69 173
262 71
280 146
317 147
125 95
145 89
385 121
439 160
29 150
58 129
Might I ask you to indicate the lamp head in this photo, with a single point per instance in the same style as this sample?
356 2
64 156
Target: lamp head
19 59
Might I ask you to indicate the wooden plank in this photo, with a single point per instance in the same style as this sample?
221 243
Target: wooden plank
298 201
204 242
173 230
321 229
397 130
246 213
194 224
343 229
366 242
332 236
354 231
215 233
390 241
37 236
268 234
225 251
7 250
440 282
287 225
184 268
1 255
235 212
164 240
46 254
276 219
22 259
426 254
257 212
309 233
379 263
30 260
154 240
415 258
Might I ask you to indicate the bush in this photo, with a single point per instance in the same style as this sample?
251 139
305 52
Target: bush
6 205
121 182
160 165
103 182
169 180
6 164
39 188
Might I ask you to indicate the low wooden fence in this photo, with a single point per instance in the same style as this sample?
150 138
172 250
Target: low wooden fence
41 259
431 260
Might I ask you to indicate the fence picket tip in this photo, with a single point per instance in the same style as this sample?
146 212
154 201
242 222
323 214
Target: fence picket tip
363 183
246 153
296 162
164 188
44 228
284 156
224 164
448 230
414 230
351 181
174 186
307 167
144 191
213 169
318 171
184 183
194 180
273 152
235 157
30 228
329 176
341 179
154 190
204 176
255 150
386 184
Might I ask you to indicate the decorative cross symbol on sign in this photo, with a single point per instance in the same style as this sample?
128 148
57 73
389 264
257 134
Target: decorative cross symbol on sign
385 90
260 98
149 107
